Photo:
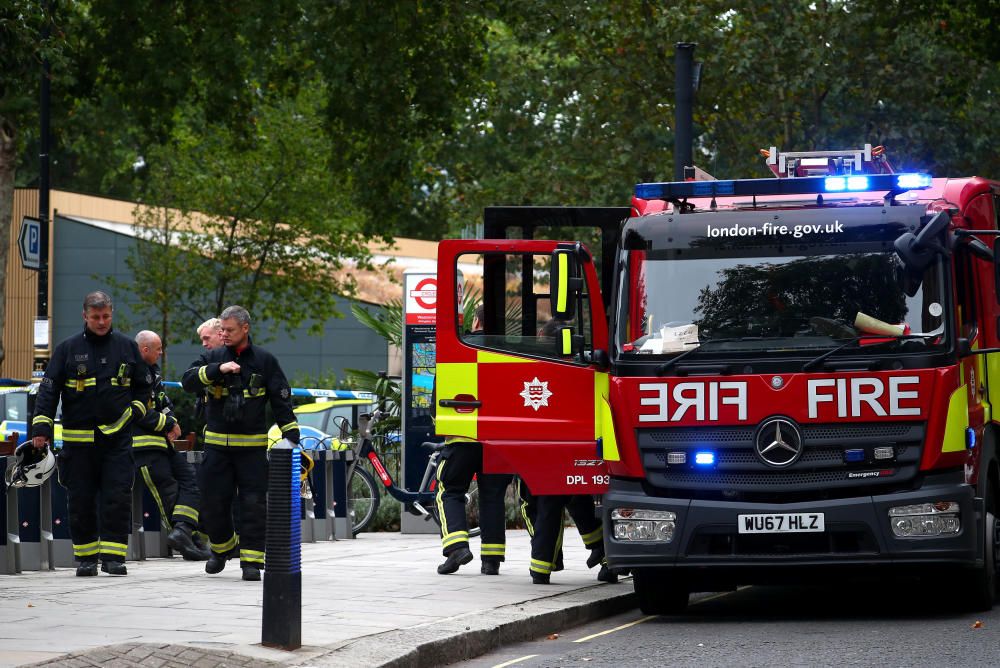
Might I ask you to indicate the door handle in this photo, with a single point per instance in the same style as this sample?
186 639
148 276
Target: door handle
460 403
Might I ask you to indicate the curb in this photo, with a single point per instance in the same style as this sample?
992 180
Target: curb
474 634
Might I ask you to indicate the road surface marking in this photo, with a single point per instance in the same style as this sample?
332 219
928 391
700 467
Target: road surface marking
617 628
513 661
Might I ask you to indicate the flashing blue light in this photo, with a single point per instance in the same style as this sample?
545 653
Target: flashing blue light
854 455
835 184
704 458
914 180
970 438
857 183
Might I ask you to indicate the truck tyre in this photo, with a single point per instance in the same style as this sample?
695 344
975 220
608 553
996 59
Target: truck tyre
659 593
980 586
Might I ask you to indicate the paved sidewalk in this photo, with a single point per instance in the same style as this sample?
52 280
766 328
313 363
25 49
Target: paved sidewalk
373 601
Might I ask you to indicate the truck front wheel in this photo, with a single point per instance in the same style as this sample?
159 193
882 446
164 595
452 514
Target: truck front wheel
659 593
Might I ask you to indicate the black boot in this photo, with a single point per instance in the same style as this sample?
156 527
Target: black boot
114 568
87 568
607 575
251 573
217 562
490 567
180 540
539 578
596 556
454 559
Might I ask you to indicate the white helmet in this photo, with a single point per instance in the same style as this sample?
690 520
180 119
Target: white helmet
33 466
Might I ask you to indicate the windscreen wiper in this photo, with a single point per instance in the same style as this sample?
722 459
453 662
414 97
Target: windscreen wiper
660 370
857 339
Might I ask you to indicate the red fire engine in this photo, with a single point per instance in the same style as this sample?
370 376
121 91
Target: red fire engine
792 374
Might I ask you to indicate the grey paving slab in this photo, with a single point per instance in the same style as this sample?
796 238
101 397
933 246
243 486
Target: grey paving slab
370 600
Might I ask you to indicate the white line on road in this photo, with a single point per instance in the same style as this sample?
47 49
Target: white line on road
617 628
513 661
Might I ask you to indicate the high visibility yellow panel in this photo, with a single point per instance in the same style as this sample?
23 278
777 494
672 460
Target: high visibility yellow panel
487 357
604 426
958 421
452 380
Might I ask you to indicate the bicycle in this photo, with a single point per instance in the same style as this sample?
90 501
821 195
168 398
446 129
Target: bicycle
364 495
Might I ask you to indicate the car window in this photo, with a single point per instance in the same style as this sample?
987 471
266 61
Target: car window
16 406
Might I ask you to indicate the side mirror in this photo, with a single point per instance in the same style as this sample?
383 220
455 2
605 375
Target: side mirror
565 282
996 267
917 251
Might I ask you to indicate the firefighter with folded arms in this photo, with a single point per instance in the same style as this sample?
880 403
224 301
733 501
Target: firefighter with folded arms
167 473
241 379
104 386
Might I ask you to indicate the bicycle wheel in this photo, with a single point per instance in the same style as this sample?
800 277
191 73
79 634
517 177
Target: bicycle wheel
364 499
471 510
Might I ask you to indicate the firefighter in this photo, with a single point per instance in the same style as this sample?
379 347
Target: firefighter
166 472
543 518
462 460
104 385
241 380
210 333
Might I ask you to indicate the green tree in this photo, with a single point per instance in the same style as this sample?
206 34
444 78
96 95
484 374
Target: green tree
238 221
27 39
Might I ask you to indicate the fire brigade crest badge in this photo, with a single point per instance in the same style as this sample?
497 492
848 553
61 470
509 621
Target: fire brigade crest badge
536 393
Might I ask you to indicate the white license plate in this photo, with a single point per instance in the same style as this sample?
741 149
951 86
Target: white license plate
781 523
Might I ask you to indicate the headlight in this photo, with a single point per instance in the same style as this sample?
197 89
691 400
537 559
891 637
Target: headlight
925 519
643 526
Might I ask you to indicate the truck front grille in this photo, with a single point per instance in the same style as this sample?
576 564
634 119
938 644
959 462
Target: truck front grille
822 465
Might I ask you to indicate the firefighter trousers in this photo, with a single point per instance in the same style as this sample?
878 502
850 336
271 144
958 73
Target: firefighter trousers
460 462
172 482
543 516
240 474
98 480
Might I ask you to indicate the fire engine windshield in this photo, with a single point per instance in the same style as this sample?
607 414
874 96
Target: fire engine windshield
791 280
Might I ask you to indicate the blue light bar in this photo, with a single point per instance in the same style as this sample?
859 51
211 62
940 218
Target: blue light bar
704 458
913 181
808 185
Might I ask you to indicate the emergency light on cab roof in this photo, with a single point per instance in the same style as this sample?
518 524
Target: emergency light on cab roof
807 185
801 173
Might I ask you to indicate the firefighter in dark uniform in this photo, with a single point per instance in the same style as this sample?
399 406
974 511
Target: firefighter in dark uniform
543 518
241 380
105 386
167 473
462 460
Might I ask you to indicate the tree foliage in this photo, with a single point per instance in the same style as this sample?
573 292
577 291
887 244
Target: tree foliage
237 221
421 113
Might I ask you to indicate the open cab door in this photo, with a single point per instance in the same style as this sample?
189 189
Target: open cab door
531 383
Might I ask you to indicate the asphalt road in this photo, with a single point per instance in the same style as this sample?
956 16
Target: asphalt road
856 624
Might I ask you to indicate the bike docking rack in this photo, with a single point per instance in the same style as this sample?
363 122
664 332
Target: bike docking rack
28 542
35 535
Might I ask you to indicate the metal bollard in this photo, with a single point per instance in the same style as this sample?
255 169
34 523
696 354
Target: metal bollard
10 549
281 624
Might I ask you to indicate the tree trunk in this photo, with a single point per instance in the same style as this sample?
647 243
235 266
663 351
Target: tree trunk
8 158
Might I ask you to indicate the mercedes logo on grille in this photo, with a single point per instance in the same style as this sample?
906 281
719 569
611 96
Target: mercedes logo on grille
778 442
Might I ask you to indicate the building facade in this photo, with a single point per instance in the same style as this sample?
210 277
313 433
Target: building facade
89 242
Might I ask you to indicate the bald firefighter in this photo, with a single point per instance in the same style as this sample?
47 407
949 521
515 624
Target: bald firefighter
167 474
